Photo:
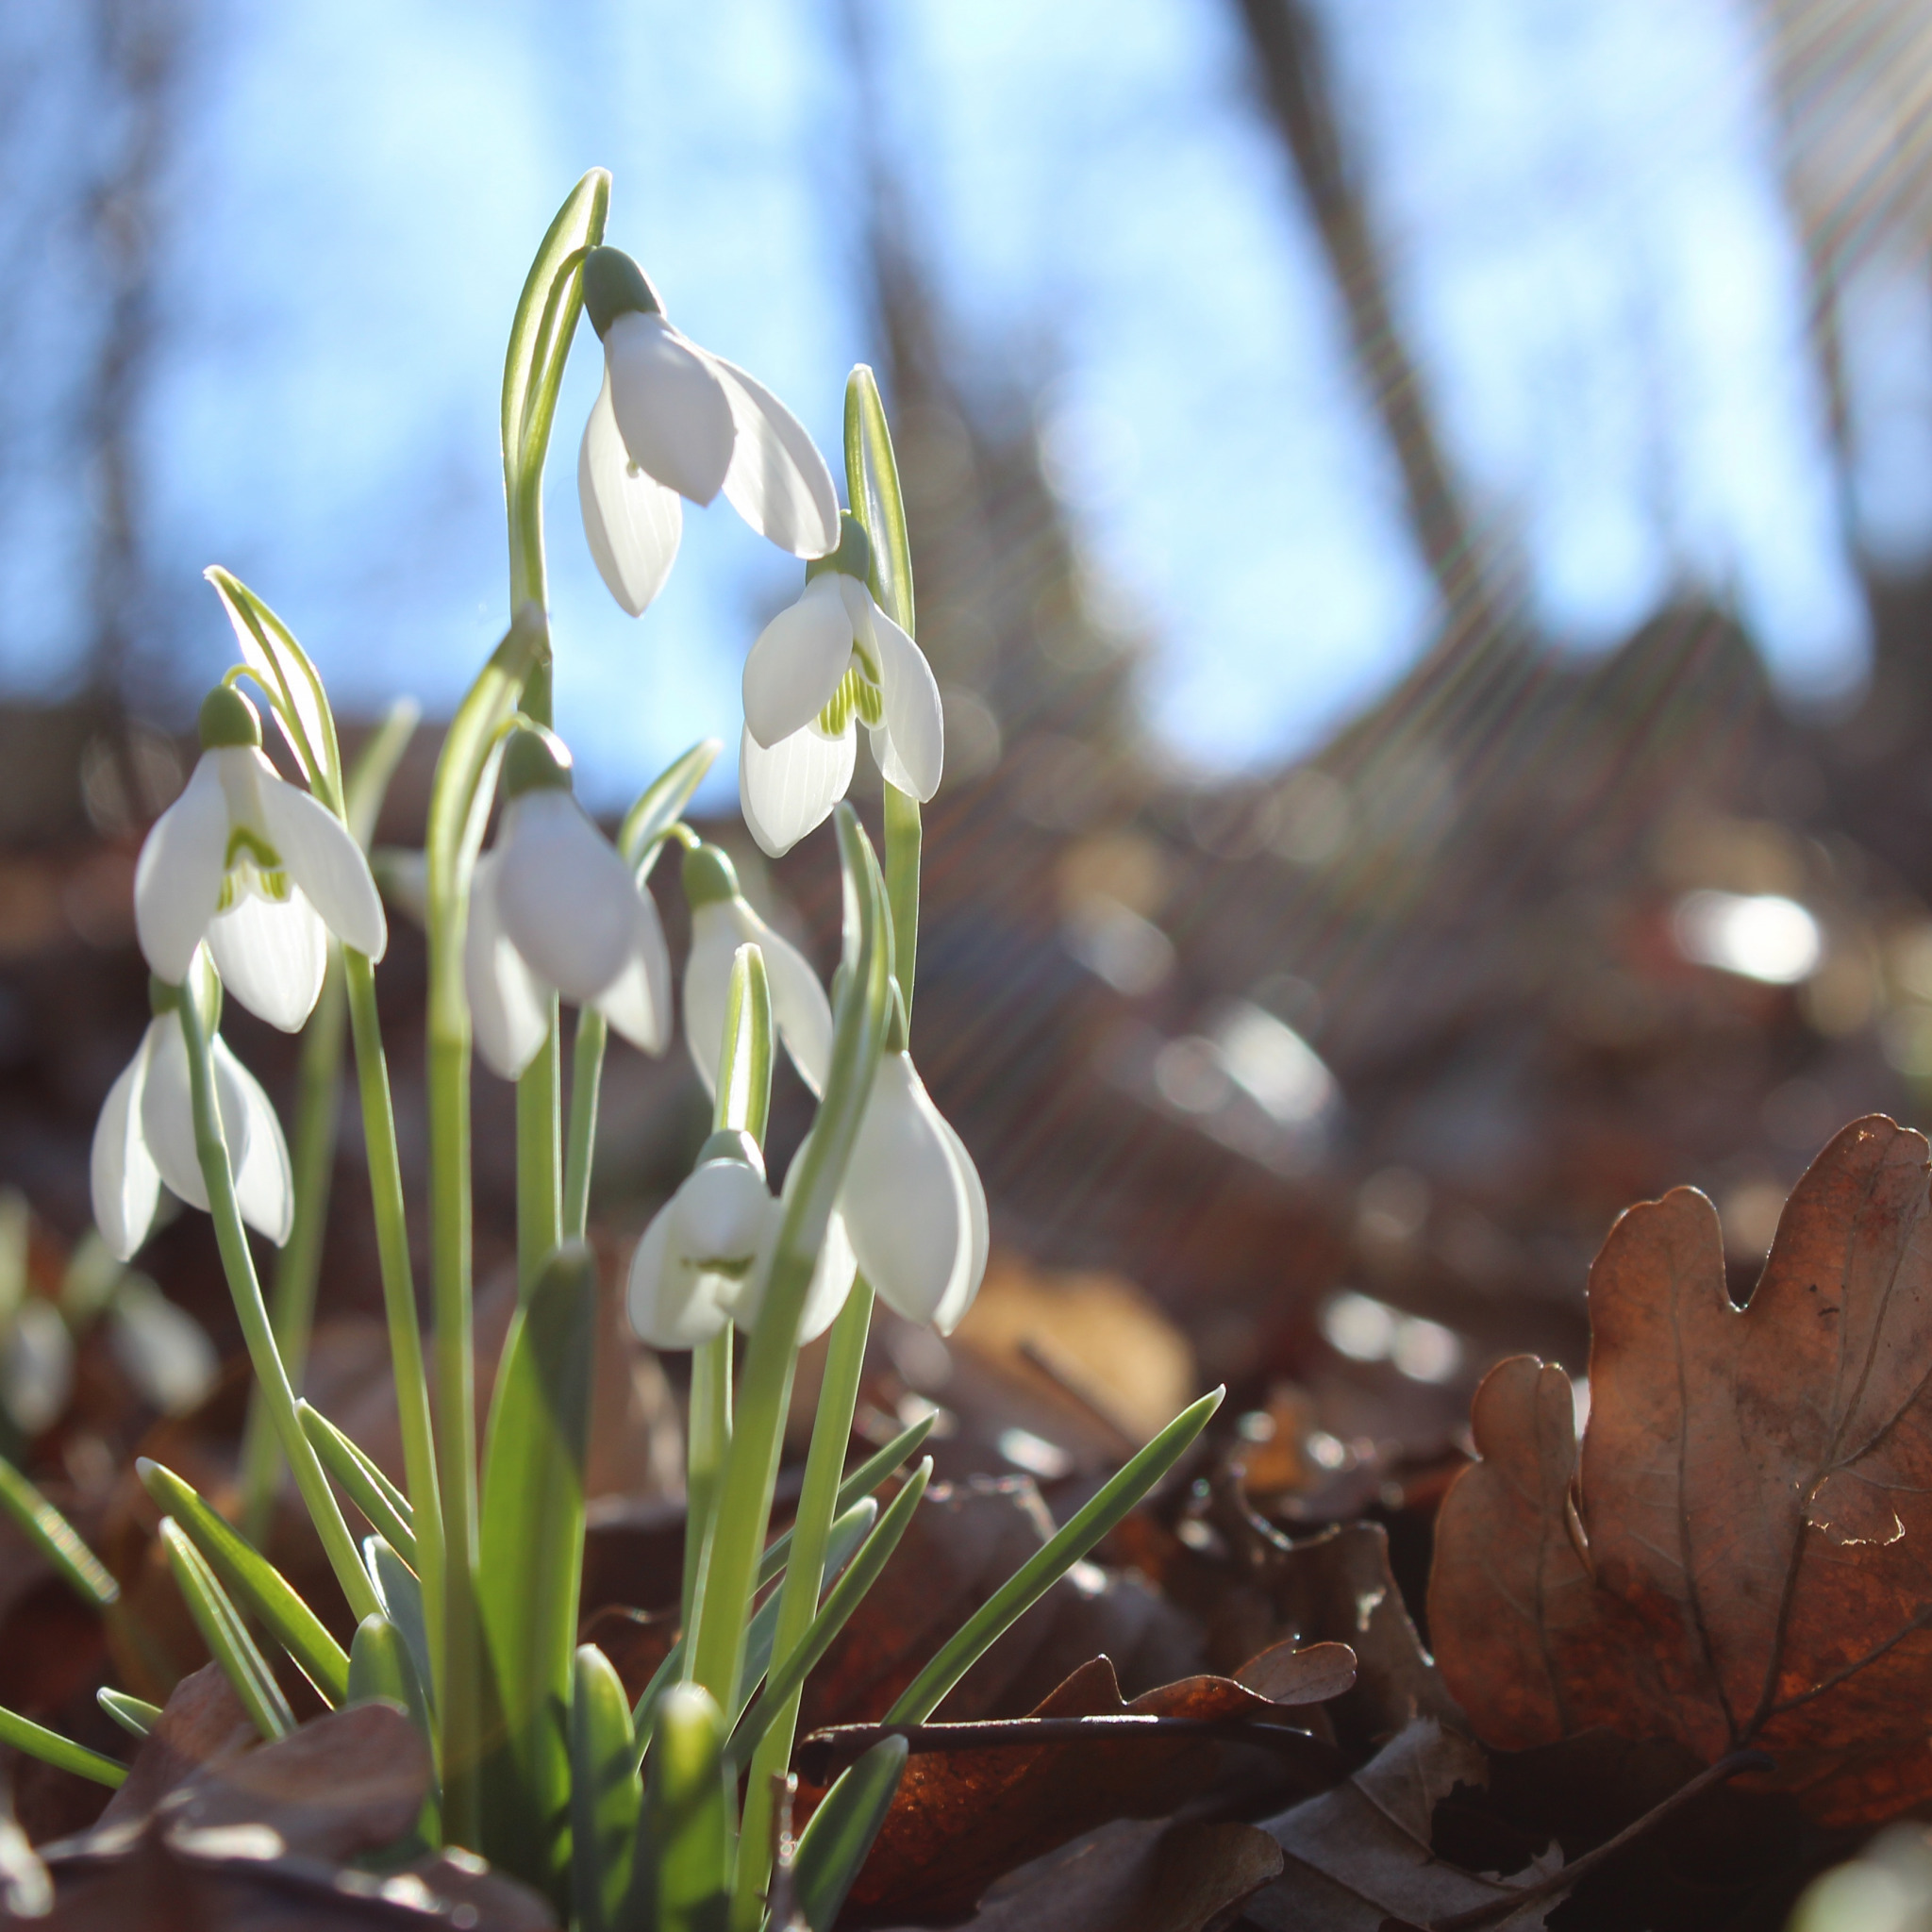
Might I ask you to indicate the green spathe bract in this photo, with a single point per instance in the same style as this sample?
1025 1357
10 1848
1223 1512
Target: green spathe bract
465 1595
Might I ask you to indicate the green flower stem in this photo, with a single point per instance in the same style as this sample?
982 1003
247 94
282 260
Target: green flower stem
291 1303
238 1264
399 1286
798 1600
710 1436
586 1076
751 1466
539 1158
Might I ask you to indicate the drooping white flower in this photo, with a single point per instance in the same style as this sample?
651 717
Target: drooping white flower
822 664
144 1137
721 922
553 908
672 420
913 1203
259 869
705 1258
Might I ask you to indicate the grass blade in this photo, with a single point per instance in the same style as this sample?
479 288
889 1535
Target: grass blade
401 1592
386 1508
225 1635
135 1715
56 1540
607 1797
1041 1571
842 1831
844 1597
52 1748
246 1571
847 1533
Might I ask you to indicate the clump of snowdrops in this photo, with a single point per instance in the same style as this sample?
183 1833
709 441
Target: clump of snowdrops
667 1813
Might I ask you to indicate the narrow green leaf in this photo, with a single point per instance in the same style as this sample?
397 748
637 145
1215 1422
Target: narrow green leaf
246 1571
225 1635
401 1594
295 686
1042 1571
845 1536
871 486
135 1715
532 1554
661 802
844 1597
380 1666
607 1797
52 1748
842 1830
56 1540
689 1807
385 1505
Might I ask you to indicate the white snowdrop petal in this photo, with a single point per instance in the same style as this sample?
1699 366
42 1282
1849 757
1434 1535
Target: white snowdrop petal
567 900
723 1212
167 1112
799 1005
322 857
272 954
914 718
177 883
264 1183
969 1269
638 1000
903 1202
788 789
714 942
509 1011
126 1185
670 406
632 522
670 1304
796 664
831 1281
777 482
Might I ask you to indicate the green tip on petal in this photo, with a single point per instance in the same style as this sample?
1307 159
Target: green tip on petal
162 997
732 1143
614 285
535 760
228 719
853 558
709 877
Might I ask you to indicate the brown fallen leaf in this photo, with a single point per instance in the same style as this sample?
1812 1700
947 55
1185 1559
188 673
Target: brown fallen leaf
1743 1560
964 1818
1360 1856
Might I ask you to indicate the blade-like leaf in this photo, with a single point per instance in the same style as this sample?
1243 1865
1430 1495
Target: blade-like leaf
246 1571
842 1831
135 1715
50 1747
379 1500
226 1636
606 1797
1046 1567
847 1532
56 1540
533 1550
689 1807
871 485
401 1592
659 804
380 1666
295 686
840 1601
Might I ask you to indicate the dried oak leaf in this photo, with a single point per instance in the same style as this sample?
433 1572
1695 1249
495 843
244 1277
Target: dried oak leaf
961 1819
1742 1560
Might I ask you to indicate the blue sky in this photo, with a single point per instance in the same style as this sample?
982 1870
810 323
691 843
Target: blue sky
1582 207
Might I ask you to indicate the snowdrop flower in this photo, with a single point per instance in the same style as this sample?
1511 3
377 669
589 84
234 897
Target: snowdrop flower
145 1136
913 1203
553 908
259 869
673 420
829 659
721 922
704 1259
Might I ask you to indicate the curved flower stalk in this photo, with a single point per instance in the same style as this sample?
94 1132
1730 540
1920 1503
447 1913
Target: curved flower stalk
144 1137
702 1262
913 1202
259 869
670 420
824 664
553 908
721 922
